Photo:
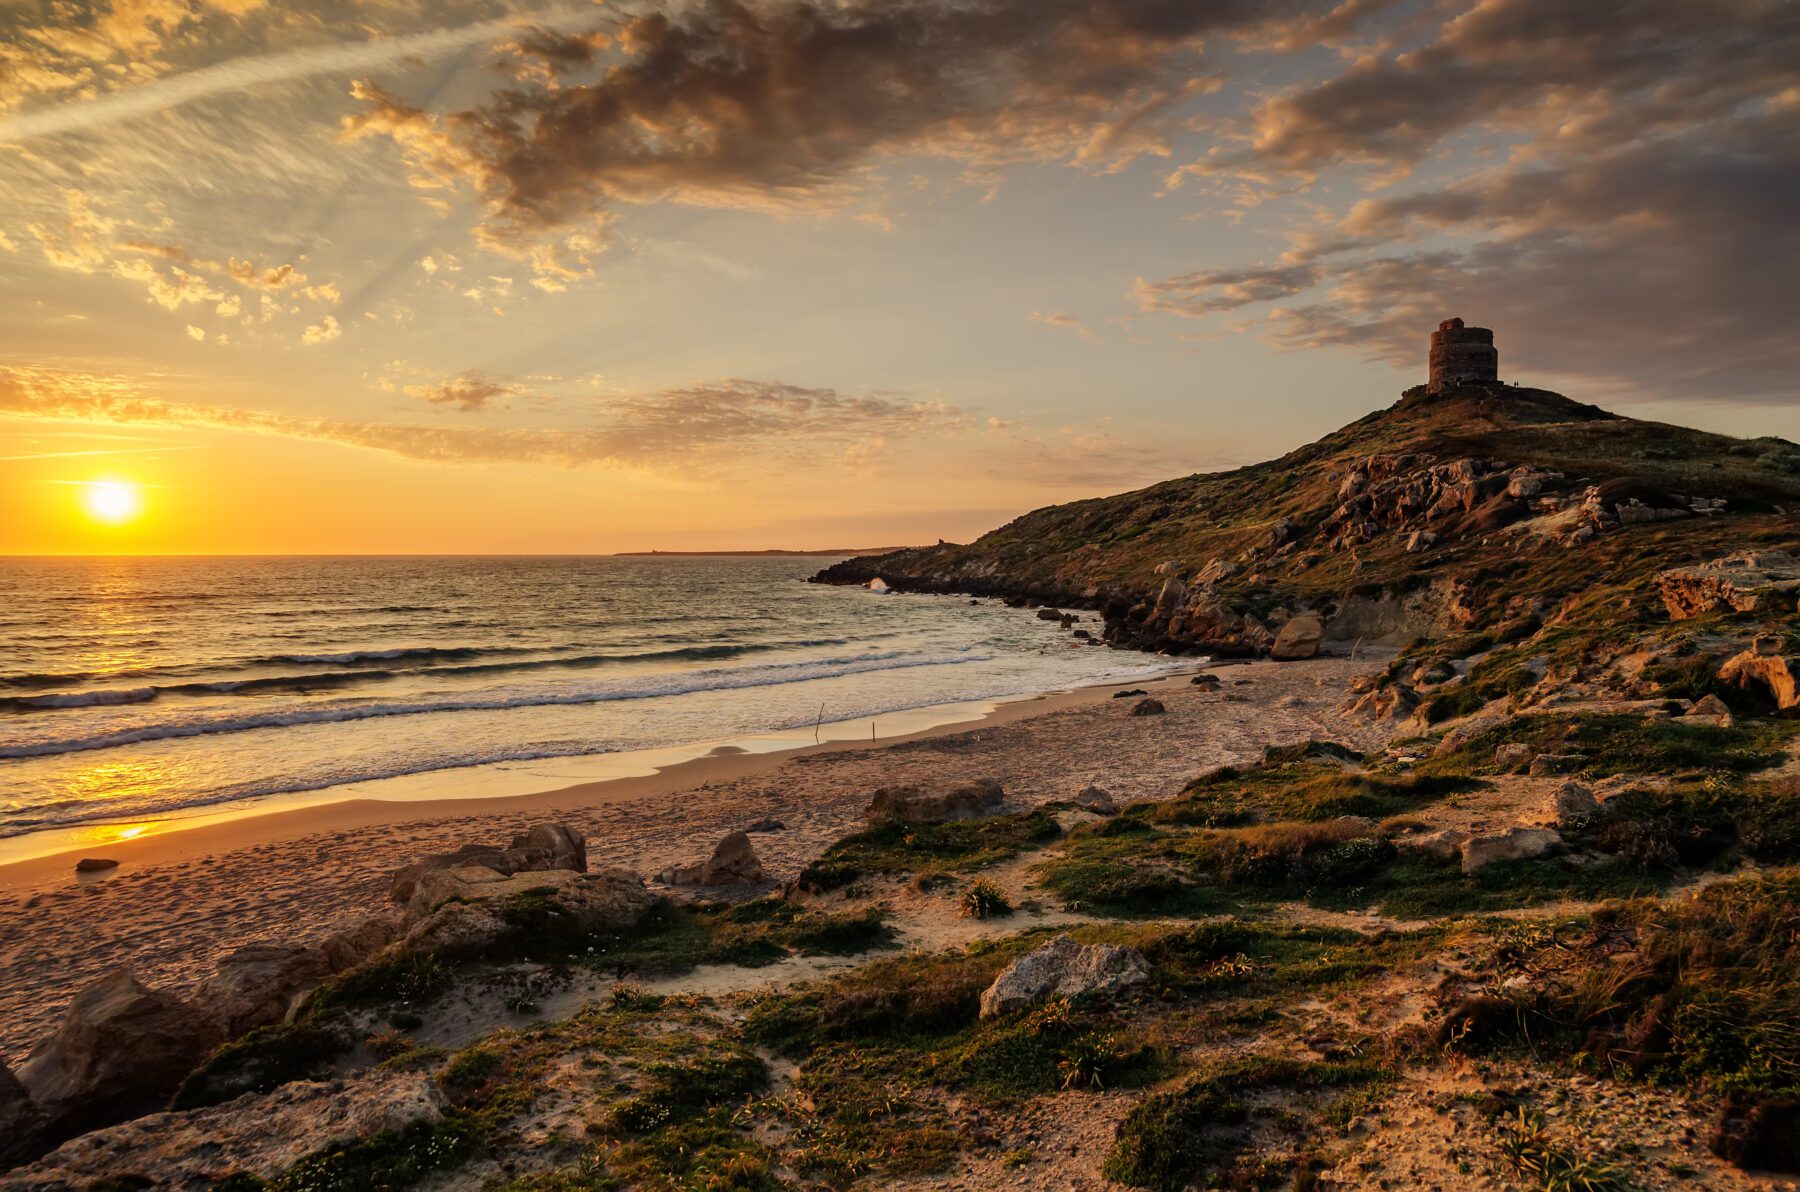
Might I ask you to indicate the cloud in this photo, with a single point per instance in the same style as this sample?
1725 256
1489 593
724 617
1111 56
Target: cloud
470 392
1634 237
1209 290
691 428
132 28
1568 76
1067 322
778 104
322 332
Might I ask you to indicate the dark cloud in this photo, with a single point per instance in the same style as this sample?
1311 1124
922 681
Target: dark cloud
1574 75
1639 240
775 103
1209 290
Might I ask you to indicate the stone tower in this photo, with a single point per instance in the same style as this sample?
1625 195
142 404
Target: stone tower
1462 356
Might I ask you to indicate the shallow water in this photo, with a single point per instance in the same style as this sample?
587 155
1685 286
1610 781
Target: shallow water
136 687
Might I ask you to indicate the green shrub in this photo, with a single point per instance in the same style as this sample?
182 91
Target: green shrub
985 900
894 847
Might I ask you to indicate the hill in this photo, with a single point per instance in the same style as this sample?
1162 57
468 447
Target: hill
1485 514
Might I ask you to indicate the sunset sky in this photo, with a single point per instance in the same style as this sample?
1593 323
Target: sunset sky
374 276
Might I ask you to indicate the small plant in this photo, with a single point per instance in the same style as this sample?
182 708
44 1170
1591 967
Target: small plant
634 999
1549 1165
985 900
1086 1064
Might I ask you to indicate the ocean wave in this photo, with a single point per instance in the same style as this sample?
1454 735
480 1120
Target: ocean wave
680 683
321 679
109 697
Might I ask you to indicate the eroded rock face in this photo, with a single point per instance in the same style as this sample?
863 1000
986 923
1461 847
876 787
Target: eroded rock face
1063 968
543 847
468 912
1298 639
925 805
1758 1133
21 1126
121 1050
1394 702
259 1136
257 985
733 863
1763 669
1514 844
1763 581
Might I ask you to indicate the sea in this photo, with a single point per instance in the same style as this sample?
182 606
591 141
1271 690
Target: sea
138 690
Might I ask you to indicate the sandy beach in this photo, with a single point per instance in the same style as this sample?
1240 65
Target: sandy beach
179 900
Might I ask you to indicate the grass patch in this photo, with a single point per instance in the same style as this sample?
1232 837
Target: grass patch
1624 744
895 847
1203 1132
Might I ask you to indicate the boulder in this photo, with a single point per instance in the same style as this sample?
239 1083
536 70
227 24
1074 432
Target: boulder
21 1126
1095 799
1394 702
542 847
1445 844
733 863
257 984
95 864
255 1136
1298 639
1205 680
1762 581
1710 709
766 825
467 912
1148 707
1514 757
1758 1132
1574 804
122 1050
1514 844
1763 666
1546 765
934 804
1063 968
361 940
1049 614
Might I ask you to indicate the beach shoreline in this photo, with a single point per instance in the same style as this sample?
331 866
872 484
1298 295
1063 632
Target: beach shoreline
181 899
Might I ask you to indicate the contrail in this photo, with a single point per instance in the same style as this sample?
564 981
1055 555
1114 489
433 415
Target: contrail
13 459
243 73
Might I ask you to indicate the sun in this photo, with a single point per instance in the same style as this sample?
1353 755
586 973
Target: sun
113 501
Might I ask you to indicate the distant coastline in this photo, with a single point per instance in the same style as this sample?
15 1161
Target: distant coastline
798 554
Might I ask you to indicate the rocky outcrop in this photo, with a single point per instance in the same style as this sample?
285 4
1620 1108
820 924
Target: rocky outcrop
733 863
1095 799
543 847
256 1136
1394 702
1765 670
1709 710
258 984
122 1050
1063 968
1514 844
1299 638
1573 805
1758 1132
21 1126
934 804
1762 581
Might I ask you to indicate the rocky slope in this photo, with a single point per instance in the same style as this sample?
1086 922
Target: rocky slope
1439 515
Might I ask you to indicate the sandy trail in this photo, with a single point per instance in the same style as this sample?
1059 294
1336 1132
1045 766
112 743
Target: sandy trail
170 919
